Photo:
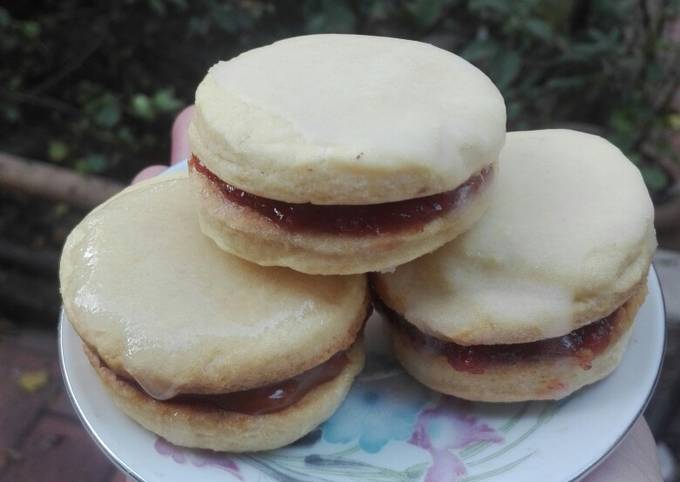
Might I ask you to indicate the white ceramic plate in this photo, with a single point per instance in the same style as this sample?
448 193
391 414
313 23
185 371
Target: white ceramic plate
390 428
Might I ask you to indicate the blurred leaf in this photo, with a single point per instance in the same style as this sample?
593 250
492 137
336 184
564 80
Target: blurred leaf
329 16
539 29
479 50
378 9
104 110
31 29
5 18
598 45
11 113
125 135
57 151
622 121
225 17
93 163
666 148
165 101
501 7
257 8
142 107
655 178
157 6
673 121
15 82
566 82
60 209
514 110
426 12
198 25
32 381
507 67
654 72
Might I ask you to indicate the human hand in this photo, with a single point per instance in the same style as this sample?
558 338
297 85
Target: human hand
632 461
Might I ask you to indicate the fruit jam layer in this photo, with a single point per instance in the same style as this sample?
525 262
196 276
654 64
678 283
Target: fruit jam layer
360 220
583 344
267 399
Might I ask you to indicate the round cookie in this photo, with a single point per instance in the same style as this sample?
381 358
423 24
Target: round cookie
567 241
343 124
170 314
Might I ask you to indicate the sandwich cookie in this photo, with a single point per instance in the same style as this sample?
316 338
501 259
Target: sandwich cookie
341 154
538 299
197 345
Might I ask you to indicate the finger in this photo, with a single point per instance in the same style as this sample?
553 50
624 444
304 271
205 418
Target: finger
179 142
148 172
632 461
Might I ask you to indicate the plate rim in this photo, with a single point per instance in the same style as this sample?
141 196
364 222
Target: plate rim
101 444
130 472
651 392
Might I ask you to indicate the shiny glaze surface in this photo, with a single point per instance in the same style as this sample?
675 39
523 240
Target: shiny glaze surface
354 220
145 287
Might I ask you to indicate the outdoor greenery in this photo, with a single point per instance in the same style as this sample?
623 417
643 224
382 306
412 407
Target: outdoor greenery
95 85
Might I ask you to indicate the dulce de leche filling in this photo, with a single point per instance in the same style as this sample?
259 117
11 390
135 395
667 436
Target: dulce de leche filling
359 220
583 344
266 399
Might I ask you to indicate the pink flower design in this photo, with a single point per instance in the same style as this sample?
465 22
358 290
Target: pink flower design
444 428
197 458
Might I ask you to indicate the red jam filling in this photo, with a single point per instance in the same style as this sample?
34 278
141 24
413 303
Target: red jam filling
270 398
583 344
360 220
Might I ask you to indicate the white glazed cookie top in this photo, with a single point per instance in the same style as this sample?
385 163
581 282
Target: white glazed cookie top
567 238
347 119
156 299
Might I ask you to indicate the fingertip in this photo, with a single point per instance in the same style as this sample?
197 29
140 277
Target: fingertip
148 172
179 149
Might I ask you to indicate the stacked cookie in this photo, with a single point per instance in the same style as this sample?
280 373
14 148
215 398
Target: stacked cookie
538 299
339 154
224 309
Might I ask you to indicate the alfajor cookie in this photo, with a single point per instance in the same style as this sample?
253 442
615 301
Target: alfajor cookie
539 298
340 154
201 347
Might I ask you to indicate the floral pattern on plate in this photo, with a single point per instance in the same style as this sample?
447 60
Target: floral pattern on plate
439 438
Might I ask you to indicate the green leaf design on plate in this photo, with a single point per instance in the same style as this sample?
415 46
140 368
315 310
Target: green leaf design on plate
498 471
547 413
478 447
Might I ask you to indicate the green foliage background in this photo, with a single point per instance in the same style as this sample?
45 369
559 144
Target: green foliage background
95 85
